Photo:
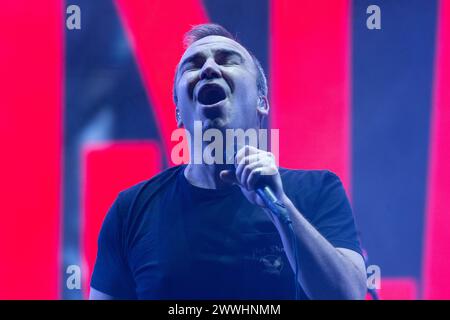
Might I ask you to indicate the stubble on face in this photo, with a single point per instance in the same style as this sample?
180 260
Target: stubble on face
243 76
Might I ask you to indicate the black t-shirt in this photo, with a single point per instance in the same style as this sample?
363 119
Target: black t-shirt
167 239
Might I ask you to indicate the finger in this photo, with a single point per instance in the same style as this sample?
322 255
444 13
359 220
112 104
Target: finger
271 168
228 176
243 178
246 161
267 157
255 176
269 162
245 151
249 150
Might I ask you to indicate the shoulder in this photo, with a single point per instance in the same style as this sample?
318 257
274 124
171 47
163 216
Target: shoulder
308 188
312 175
308 180
145 189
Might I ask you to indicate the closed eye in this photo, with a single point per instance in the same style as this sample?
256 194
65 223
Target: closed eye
190 67
228 57
192 63
232 61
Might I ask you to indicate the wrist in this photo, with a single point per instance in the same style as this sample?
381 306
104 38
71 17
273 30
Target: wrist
285 202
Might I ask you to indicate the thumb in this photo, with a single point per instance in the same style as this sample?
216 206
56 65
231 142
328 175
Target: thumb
228 176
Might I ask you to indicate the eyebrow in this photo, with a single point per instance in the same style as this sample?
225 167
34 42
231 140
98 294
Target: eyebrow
216 52
190 59
229 52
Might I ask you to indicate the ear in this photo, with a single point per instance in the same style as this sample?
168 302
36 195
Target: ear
178 118
262 108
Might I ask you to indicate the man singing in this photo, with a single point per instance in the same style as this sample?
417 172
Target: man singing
200 231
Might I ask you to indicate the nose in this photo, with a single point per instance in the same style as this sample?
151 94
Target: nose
210 70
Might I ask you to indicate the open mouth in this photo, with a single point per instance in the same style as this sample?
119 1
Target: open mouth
211 94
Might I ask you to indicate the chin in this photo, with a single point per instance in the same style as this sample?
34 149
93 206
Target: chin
216 123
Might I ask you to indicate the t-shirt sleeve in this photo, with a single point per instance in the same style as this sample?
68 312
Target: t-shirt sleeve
111 274
332 214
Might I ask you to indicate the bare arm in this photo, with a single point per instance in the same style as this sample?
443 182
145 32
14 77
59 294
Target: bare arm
325 272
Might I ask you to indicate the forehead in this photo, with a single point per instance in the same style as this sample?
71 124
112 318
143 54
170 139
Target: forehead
213 43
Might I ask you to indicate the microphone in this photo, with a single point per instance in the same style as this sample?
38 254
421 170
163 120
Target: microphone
272 203
278 208
269 199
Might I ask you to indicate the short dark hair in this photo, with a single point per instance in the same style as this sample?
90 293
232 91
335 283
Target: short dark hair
200 31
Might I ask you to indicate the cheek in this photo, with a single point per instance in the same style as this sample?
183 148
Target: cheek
181 89
246 95
245 86
186 85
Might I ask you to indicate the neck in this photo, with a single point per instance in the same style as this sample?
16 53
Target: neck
206 176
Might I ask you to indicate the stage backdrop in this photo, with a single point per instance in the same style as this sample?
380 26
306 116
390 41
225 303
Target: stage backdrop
87 112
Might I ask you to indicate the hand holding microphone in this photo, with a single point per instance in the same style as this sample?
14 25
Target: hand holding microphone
257 175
